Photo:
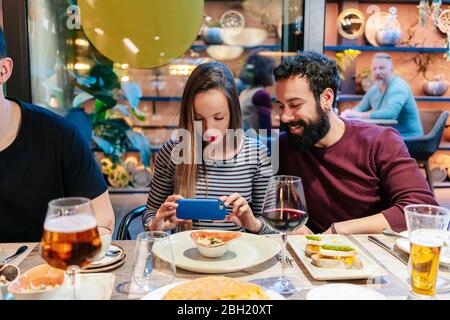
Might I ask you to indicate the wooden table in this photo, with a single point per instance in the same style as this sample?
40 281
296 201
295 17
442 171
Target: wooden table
393 284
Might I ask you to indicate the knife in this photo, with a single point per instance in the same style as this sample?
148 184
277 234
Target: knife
388 249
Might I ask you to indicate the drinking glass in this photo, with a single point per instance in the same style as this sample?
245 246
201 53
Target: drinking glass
284 210
427 226
150 270
70 240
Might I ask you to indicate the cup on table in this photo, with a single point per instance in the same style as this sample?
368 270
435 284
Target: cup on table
427 226
150 271
106 238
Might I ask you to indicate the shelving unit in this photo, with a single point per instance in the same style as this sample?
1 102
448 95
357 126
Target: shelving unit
341 45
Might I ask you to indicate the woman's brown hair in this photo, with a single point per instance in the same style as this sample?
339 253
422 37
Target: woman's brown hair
206 76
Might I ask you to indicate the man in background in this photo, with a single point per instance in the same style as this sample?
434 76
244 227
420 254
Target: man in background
389 98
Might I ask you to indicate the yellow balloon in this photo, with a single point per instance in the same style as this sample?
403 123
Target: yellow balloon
142 33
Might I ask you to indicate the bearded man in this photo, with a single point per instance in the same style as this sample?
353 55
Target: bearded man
357 177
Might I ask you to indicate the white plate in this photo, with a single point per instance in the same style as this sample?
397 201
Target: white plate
97 286
110 267
343 291
159 293
370 267
403 244
244 252
106 261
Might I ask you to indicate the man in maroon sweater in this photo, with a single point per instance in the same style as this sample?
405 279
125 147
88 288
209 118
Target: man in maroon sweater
357 177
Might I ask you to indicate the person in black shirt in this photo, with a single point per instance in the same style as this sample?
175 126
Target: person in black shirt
42 157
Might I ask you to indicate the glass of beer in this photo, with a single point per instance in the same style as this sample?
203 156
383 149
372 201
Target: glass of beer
70 240
427 225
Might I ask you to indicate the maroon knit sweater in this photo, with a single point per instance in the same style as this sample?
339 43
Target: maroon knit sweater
366 172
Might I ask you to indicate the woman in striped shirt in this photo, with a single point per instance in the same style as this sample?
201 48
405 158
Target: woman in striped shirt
210 158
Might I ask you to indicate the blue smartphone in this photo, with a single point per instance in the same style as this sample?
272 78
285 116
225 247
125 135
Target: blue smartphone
201 209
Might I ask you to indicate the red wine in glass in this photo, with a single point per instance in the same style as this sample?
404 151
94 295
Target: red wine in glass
285 220
284 210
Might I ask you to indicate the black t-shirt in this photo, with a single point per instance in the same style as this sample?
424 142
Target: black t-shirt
49 159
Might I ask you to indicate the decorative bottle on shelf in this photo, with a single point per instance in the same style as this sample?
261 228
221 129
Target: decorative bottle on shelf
390 34
437 86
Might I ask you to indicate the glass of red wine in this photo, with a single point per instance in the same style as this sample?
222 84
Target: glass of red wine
284 210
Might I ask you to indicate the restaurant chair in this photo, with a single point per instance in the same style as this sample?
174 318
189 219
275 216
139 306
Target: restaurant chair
123 233
423 147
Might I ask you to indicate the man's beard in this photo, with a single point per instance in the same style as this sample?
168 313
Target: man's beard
379 82
312 133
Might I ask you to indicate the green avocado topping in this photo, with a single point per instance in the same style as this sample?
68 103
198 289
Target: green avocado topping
336 247
313 238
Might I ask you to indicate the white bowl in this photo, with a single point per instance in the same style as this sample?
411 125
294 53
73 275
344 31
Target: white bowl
212 252
106 238
222 52
249 37
43 274
216 250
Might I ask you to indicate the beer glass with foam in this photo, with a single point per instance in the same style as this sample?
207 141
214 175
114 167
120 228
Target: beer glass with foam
427 226
70 240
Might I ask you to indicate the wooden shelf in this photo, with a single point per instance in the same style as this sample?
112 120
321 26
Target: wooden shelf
445 184
357 97
275 47
156 99
444 146
386 48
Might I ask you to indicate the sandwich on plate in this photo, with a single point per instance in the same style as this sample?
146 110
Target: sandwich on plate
336 256
313 244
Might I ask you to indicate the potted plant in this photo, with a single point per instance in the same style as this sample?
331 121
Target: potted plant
112 122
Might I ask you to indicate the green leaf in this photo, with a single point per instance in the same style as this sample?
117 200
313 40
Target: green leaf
138 114
106 147
141 143
122 109
133 93
116 123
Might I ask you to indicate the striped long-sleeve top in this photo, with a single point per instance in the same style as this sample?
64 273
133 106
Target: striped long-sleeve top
247 173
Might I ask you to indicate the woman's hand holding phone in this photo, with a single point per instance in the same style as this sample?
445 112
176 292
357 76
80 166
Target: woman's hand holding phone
242 214
165 218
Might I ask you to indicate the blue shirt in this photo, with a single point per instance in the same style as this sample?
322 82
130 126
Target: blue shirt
397 102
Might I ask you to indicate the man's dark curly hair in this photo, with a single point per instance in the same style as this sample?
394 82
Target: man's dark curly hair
320 71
